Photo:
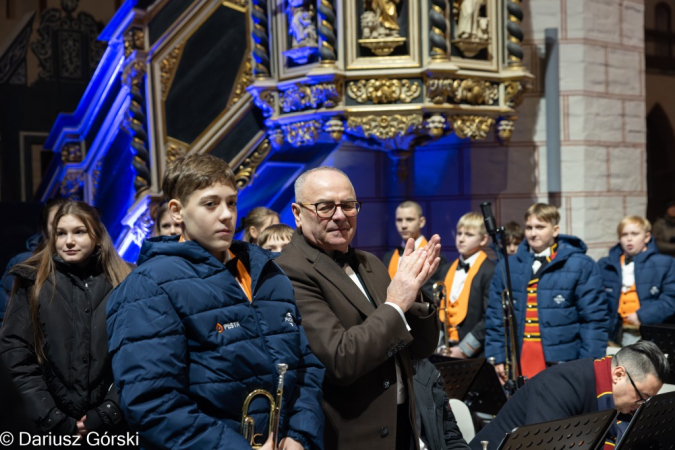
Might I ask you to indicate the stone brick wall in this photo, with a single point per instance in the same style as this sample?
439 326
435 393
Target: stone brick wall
603 129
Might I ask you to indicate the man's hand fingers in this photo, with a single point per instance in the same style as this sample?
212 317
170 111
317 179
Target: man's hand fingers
409 247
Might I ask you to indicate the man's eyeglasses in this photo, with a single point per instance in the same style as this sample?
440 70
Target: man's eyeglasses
326 210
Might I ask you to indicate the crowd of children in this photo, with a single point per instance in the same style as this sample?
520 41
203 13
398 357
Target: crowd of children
172 348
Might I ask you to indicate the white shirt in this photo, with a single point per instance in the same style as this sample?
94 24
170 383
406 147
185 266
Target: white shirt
400 388
627 276
418 241
537 264
460 277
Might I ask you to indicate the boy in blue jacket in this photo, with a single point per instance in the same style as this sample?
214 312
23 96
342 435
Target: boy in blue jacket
561 314
639 282
205 320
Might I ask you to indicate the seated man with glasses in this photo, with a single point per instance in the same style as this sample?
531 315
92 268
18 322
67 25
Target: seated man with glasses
622 382
363 326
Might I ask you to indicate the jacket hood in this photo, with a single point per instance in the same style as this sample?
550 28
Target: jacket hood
93 267
616 252
567 246
196 254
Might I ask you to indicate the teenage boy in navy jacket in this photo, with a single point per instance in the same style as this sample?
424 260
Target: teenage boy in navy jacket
467 281
203 321
639 282
561 314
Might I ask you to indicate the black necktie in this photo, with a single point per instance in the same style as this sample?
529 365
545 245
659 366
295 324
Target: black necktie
627 260
462 265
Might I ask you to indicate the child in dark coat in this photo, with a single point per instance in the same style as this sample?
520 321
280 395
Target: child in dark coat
638 281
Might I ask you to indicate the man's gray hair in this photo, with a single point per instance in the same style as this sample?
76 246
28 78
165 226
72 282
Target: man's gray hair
641 359
300 181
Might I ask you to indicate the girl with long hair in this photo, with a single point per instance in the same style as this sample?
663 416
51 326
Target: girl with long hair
54 340
256 221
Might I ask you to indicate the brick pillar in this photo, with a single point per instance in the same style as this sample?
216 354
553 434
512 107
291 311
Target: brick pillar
603 129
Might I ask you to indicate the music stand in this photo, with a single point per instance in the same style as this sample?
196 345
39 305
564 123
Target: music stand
486 394
664 337
474 381
652 426
585 432
458 375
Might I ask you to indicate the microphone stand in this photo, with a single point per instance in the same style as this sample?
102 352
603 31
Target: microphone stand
512 363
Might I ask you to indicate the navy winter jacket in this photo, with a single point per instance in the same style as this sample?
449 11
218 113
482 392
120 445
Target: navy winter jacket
188 347
654 283
573 312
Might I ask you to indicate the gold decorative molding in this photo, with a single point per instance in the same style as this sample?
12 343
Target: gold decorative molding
384 127
468 90
168 67
239 5
133 73
382 91
134 39
302 133
246 170
436 125
72 185
300 97
265 101
505 127
175 148
474 127
335 127
71 152
244 80
513 93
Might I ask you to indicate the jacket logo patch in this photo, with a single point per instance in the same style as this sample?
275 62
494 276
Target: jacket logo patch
559 299
289 319
609 289
227 326
654 290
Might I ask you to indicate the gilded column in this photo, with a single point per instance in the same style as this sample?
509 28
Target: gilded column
514 32
439 28
260 39
327 32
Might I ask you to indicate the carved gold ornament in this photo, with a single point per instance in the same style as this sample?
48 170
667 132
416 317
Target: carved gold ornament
468 90
505 128
513 93
302 133
244 80
301 97
245 171
133 73
436 125
71 152
134 39
168 67
384 127
474 127
381 91
335 127
264 100
175 149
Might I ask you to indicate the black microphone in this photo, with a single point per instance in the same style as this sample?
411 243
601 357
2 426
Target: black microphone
490 222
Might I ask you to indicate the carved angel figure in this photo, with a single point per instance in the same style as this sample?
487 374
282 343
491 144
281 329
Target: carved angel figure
469 24
387 17
302 28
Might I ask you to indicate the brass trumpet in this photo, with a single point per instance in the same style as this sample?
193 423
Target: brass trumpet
248 423
440 294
